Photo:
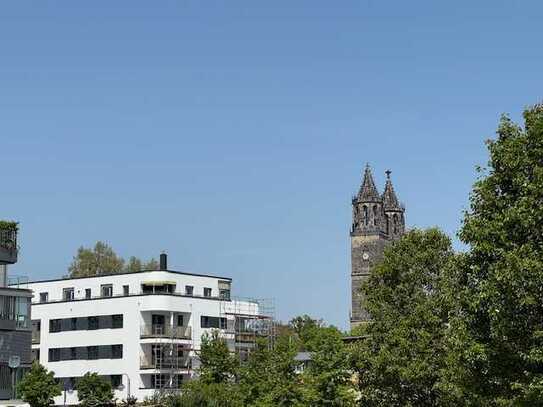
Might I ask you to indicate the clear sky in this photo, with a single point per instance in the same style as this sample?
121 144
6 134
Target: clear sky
232 134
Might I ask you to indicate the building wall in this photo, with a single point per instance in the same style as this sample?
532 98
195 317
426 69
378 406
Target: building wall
15 334
136 309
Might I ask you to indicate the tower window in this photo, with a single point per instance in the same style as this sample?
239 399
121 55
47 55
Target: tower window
375 215
365 215
388 224
395 221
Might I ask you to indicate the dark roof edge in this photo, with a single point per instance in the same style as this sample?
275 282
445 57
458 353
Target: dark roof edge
125 273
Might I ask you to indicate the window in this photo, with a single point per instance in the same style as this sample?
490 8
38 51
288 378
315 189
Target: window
92 352
68 294
116 380
55 325
365 209
117 321
106 290
126 290
189 290
86 323
93 323
180 320
207 292
116 351
212 322
375 215
86 353
88 293
54 355
159 381
224 295
44 297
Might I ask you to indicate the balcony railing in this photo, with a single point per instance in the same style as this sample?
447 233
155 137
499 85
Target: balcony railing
8 242
166 331
147 362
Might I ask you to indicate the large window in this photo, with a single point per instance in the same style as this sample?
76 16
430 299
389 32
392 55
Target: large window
44 297
213 322
86 323
86 353
189 290
15 309
207 292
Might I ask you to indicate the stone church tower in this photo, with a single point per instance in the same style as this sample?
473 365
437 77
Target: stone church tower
377 221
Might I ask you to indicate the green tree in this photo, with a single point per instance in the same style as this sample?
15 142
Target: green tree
269 377
307 329
329 375
400 360
102 259
94 391
135 264
217 364
99 260
496 344
38 387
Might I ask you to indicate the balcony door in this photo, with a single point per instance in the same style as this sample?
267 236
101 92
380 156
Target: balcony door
158 324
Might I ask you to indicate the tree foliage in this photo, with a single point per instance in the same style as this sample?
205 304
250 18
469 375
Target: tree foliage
102 259
94 391
496 355
217 364
400 360
38 387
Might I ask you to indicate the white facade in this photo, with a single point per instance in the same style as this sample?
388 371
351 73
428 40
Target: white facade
141 329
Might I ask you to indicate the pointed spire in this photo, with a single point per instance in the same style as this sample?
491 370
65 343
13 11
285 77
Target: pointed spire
390 200
368 192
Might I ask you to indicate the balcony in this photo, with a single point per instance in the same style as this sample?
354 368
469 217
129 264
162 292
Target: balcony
166 331
8 242
164 363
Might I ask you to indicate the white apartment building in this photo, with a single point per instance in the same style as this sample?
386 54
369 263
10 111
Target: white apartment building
141 330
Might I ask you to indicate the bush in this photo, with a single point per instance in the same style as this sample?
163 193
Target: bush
94 391
38 387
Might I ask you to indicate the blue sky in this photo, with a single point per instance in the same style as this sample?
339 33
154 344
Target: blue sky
232 134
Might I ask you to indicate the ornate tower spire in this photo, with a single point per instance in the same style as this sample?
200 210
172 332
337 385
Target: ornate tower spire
390 201
367 207
394 212
368 192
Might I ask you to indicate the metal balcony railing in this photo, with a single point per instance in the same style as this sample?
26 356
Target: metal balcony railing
8 245
166 331
147 362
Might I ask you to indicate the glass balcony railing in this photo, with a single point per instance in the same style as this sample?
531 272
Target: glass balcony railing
165 331
164 362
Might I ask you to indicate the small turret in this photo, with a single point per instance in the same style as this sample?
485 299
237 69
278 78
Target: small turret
394 221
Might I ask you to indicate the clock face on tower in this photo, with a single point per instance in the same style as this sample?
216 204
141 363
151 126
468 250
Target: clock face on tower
365 256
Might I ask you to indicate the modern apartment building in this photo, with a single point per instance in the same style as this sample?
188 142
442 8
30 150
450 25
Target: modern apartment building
140 330
15 329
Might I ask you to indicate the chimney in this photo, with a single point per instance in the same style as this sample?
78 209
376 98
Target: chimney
163 261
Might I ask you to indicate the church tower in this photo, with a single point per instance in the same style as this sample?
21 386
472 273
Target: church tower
377 220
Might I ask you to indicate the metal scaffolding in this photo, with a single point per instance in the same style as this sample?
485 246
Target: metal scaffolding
248 320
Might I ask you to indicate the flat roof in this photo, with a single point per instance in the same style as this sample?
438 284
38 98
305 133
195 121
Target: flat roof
20 292
125 273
